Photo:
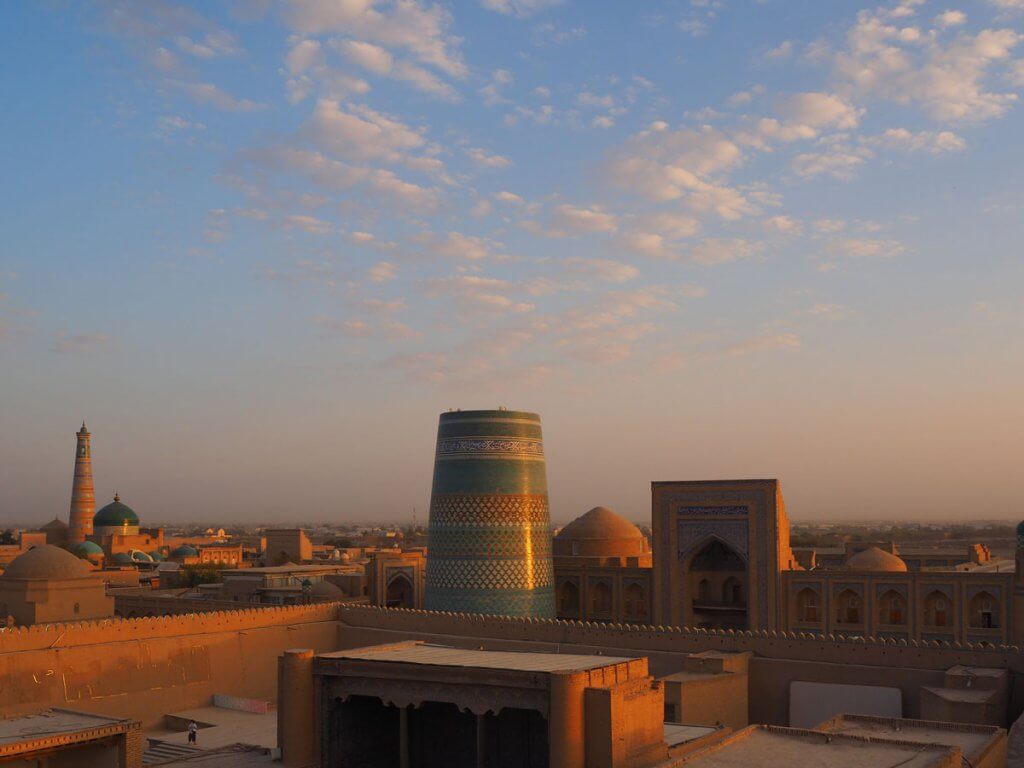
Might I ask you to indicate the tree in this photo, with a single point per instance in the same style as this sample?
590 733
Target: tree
204 573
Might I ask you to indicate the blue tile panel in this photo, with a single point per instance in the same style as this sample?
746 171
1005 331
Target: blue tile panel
489 548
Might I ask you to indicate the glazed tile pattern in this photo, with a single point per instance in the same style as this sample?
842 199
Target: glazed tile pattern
489 545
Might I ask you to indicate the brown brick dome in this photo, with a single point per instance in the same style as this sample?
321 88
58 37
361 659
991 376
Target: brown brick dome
875 559
47 562
600 533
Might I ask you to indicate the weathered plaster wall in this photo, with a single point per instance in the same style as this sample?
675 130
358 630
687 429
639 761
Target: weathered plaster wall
780 658
143 668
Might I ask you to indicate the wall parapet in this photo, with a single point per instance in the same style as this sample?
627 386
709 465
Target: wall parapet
68 634
847 649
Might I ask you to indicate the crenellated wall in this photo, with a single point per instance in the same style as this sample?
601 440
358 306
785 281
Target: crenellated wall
780 658
147 667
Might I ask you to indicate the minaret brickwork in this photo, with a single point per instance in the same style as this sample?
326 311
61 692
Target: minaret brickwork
83 498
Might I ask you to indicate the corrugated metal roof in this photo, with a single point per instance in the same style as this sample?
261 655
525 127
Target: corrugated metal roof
446 656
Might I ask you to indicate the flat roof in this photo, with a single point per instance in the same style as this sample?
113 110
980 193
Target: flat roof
31 732
284 568
776 747
972 739
413 652
680 733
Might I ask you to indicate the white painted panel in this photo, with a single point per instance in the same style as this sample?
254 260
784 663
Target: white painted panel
813 703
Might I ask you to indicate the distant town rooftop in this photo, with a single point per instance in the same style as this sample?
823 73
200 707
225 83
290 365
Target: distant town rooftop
286 569
415 652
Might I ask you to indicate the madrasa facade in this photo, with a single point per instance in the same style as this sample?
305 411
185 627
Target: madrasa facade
720 558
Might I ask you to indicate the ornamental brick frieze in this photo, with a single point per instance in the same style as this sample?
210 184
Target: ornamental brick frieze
712 511
524 449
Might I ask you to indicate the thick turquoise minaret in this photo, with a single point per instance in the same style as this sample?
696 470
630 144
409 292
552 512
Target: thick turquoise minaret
489 547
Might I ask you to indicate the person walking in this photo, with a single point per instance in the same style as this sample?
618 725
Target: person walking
193 729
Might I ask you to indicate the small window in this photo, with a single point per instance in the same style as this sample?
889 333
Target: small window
575 547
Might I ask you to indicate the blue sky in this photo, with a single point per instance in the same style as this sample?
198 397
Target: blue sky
259 246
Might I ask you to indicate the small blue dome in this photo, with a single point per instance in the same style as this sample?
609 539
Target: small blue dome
157 556
88 549
123 558
139 556
185 551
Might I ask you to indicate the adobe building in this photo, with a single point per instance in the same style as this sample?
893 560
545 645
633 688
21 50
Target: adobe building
49 584
722 560
62 738
286 545
395 578
412 703
603 569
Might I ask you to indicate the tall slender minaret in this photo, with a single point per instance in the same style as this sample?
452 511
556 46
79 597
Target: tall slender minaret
83 499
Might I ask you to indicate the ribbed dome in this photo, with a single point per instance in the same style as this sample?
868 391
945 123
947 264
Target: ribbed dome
185 551
138 556
88 548
326 589
115 515
600 533
46 562
123 558
875 559
157 556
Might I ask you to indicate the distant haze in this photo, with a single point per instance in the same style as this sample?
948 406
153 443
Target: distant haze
260 247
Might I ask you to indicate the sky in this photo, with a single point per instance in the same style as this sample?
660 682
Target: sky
260 246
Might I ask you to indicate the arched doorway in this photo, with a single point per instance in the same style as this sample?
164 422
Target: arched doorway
936 610
984 611
636 602
715 587
891 608
601 599
807 605
400 592
568 600
848 608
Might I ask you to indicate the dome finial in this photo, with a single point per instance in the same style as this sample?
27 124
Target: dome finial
117 496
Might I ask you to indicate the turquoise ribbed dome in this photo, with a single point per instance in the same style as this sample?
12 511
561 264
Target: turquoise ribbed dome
157 556
123 558
185 551
115 515
88 548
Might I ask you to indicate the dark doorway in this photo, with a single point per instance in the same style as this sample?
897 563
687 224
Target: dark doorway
400 593
516 738
363 733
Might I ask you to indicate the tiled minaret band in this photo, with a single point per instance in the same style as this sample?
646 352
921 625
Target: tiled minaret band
490 532
83 498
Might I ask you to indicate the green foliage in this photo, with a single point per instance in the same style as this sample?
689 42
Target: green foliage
206 573
8 537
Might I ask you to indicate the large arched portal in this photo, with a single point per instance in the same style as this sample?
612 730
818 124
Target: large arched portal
716 587
400 592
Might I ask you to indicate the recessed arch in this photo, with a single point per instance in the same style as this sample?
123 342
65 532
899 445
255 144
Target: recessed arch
400 592
848 607
984 611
